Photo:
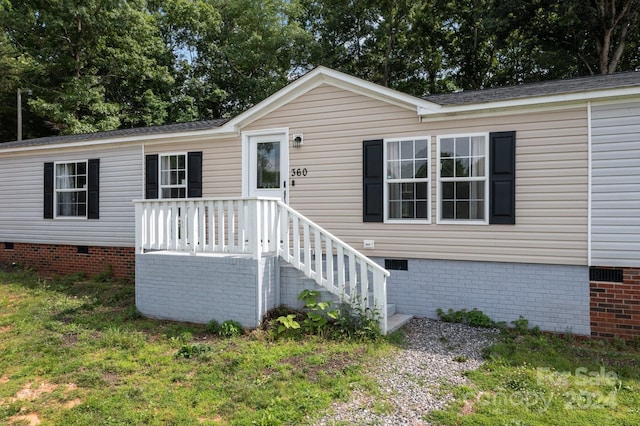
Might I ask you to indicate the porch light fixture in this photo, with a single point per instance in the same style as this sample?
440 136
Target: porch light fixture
298 140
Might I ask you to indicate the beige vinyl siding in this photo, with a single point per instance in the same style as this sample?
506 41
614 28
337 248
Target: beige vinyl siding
551 179
615 185
21 189
221 163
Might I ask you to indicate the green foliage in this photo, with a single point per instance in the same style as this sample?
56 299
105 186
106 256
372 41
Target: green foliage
101 65
230 328
474 317
531 378
107 275
213 326
193 350
288 325
80 336
347 321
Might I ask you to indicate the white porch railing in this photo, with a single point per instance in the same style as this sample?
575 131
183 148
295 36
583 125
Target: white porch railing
255 226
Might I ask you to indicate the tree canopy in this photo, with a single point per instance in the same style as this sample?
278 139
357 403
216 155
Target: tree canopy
93 65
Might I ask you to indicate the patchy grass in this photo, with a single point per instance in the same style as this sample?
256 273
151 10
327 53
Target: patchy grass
538 379
77 352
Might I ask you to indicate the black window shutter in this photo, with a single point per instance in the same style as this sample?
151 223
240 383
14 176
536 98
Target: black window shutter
502 178
194 169
151 177
372 181
93 195
48 190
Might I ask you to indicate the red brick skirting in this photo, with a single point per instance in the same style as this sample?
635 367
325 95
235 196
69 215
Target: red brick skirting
54 259
615 307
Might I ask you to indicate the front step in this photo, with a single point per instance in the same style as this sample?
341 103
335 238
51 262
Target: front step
396 321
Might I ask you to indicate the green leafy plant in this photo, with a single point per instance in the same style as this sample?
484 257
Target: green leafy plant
288 324
318 313
193 350
357 322
230 328
213 326
474 318
322 318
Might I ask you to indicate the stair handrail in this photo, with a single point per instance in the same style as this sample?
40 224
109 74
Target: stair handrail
379 273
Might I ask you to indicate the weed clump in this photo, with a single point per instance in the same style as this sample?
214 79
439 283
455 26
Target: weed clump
325 319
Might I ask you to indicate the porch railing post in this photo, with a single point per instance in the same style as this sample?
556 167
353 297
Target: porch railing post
256 233
139 225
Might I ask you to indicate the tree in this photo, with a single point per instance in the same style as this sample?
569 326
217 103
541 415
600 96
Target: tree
580 37
612 20
232 54
94 65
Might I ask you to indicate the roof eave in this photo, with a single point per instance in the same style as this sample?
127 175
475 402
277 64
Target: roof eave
218 132
532 101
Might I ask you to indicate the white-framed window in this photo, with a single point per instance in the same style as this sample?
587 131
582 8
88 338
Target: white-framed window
173 175
463 183
71 189
407 174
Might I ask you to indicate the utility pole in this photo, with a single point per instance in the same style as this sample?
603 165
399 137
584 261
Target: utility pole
19 115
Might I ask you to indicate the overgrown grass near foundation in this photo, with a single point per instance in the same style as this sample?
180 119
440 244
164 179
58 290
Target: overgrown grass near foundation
532 378
76 352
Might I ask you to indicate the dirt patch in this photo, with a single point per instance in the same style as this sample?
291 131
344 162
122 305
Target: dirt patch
110 377
5 328
73 403
29 394
217 420
4 379
334 365
469 405
69 339
31 419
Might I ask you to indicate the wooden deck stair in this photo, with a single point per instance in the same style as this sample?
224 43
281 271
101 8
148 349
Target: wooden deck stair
258 226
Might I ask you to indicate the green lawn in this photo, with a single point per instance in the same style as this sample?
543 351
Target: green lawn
77 352
530 378
74 351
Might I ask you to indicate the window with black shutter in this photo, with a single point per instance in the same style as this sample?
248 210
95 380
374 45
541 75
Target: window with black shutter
502 178
173 175
372 181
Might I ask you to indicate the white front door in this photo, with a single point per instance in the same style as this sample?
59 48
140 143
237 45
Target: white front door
268 166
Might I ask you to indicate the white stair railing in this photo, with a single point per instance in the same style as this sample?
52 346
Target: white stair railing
256 226
332 263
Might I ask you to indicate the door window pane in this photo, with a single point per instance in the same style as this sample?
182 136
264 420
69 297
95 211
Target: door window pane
268 165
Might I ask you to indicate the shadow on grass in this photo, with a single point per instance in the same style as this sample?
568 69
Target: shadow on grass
104 303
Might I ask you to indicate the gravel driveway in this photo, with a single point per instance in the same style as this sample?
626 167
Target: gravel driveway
411 380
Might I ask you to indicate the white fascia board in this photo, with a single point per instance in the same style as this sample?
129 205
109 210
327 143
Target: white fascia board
322 75
523 103
219 132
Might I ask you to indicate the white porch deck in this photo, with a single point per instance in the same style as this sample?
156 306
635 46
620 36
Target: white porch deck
257 227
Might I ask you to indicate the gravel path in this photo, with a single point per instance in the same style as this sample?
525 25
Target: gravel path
411 381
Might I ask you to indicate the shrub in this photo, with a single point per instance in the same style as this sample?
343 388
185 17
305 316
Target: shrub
475 317
193 350
230 328
321 318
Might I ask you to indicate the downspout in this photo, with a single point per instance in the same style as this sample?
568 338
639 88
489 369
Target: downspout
589 171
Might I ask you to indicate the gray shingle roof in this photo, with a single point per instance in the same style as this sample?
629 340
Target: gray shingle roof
552 87
136 131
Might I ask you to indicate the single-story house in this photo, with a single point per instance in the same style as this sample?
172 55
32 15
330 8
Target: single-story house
518 201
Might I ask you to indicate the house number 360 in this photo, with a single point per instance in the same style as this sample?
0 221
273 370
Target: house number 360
299 172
